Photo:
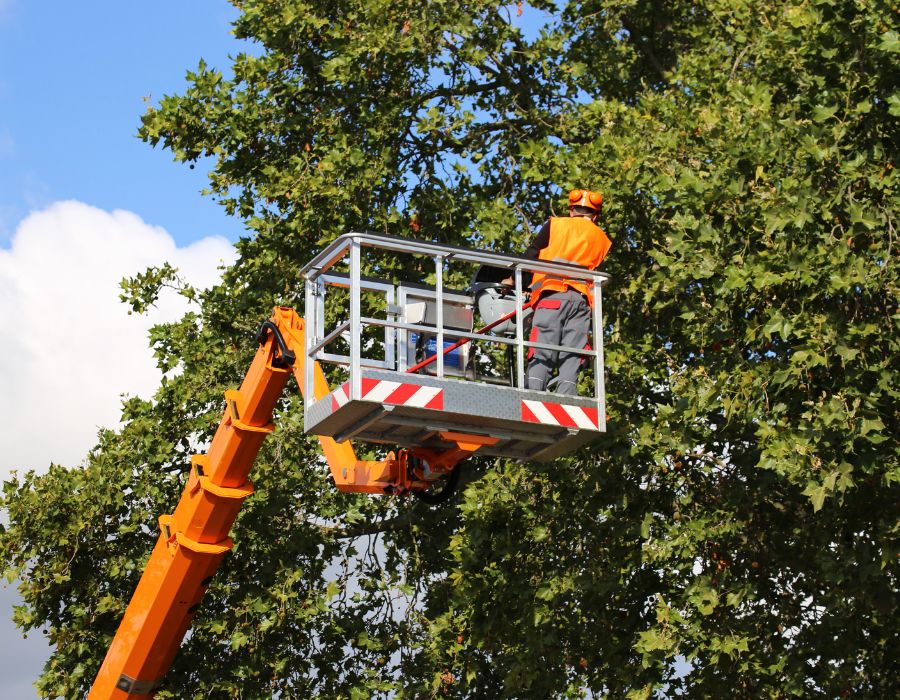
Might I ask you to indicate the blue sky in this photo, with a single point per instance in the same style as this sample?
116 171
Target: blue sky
73 80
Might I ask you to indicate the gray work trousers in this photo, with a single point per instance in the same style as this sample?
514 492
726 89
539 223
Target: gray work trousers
560 318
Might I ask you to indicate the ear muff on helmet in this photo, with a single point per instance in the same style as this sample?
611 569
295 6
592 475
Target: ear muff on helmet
586 198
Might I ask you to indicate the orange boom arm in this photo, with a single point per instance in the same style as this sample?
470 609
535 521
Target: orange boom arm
194 539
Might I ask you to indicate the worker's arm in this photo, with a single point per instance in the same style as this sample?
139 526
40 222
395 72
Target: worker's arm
541 241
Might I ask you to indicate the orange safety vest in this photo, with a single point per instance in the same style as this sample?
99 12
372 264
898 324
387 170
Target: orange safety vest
576 241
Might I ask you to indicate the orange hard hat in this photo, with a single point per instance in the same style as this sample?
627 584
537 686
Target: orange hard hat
586 198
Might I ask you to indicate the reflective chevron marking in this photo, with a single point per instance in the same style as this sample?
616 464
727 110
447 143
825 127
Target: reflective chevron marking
396 393
565 415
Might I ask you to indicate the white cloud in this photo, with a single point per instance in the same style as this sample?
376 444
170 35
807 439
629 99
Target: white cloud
7 219
68 348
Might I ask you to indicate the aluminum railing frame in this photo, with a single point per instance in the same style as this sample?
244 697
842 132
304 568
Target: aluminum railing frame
351 244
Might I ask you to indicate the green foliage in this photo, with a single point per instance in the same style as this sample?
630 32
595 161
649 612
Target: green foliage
141 291
741 513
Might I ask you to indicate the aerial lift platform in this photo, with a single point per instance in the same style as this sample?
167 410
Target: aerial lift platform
409 371
381 401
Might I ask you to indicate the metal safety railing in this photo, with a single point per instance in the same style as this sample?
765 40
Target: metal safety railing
445 319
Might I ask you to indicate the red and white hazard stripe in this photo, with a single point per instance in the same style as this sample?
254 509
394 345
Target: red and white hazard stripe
396 393
551 413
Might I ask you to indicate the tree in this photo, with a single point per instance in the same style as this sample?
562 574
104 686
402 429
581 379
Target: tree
741 513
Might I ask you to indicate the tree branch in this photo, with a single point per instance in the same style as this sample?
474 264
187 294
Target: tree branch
643 44
470 89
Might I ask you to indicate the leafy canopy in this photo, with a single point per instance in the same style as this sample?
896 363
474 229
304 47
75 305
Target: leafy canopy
740 515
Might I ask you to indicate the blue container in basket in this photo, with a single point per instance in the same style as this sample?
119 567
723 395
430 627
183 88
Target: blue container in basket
454 358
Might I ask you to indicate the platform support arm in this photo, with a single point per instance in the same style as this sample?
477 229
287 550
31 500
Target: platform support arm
349 473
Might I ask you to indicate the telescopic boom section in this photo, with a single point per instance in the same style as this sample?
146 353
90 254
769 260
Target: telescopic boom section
194 539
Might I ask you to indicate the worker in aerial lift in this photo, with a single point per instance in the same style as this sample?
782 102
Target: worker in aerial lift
562 312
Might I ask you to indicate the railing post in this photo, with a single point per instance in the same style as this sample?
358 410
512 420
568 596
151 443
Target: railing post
355 325
311 333
390 332
439 321
520 334
599 363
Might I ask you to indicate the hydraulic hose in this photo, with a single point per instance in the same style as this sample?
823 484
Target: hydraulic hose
287 357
